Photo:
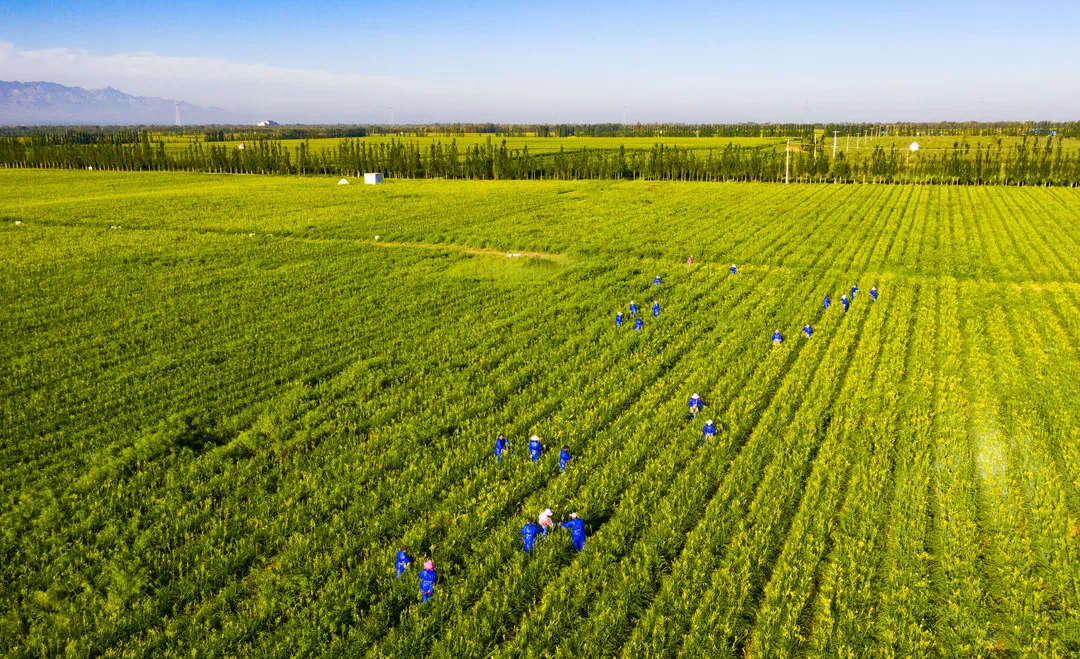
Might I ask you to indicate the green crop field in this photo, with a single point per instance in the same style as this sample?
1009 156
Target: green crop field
225 405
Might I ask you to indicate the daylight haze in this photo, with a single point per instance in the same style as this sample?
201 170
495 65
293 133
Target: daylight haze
561 62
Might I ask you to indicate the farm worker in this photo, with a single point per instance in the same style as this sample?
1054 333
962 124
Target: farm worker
633 309
528 534
708 431
777 337
618 319
427 580
873 293
827 302
638 324
564 458
500 446
545 521
695 404
844 301
732 268
535 448
656 308
577 531
690 261
808 331
403 559
657 281
854 290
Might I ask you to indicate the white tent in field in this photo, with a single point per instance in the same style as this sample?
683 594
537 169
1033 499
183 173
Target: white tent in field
914 147
342 182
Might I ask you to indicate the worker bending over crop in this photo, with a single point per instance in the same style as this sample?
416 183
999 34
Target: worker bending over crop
618 319
844 301
657 281
428 577
873 293
854 290
577 531
403 559
633 309
528 535
638 324
777 337
535 448
826 302
807 330
656 308
709 431
564 458
695 404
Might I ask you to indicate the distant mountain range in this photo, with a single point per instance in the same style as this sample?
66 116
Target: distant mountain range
36 103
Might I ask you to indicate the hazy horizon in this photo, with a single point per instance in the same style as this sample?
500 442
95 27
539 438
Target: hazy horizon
683 62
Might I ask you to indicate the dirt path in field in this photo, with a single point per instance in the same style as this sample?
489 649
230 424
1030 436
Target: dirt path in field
465 249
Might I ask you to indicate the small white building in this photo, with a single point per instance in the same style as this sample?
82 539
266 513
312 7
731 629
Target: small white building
373 178
266 123
342 182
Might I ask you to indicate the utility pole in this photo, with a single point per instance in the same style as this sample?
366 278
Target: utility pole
834 143
177 103
847 142
787 162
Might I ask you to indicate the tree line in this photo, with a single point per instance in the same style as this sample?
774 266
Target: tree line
1035 161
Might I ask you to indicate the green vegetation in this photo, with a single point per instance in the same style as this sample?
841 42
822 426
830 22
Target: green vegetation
222 418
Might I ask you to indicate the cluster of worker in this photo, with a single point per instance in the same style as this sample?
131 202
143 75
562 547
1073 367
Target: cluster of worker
808 331
532 531
639 323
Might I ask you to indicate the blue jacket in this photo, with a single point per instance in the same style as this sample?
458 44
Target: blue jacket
638 324
708 431
564 458
844 301
535 448
656 309
576 526
500 445
854 290
528 534
427 580
657 281
732 268
808 331
827 302
618 319
873 293
403 560
777 336
695 401
633 309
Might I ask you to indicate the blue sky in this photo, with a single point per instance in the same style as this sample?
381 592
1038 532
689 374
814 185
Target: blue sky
691 61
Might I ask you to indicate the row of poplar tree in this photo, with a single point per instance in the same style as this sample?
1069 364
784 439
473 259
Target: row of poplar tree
1038 161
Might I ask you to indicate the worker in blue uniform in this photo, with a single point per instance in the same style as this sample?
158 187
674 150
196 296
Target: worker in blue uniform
402 561
844 301
535 448
826 302
564 458
638 324
528 534
500 446
709 431
777 337
618 319
428 577
695 404
577 531
873 293
657 281
807 330
656 308
633 309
